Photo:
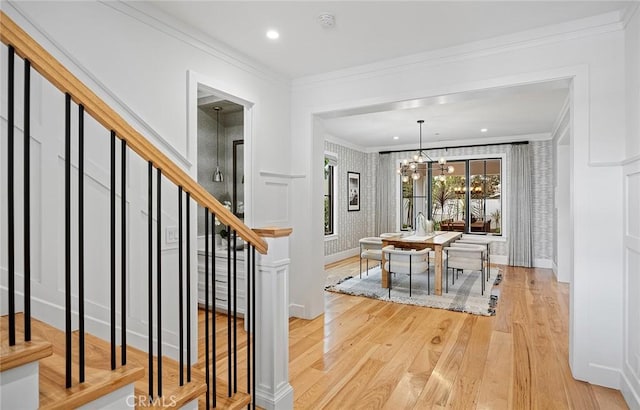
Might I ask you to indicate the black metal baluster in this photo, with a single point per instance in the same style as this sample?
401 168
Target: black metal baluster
159 277
180 289
67 238
235 313
150 273
123 254
10 204
112 302
229 312
253 321
248 318
188 288
81 362
206 306
27 200
213 309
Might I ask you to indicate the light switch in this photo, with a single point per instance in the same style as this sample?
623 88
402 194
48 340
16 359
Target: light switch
171 234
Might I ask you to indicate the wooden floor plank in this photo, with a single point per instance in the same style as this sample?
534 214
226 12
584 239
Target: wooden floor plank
367 355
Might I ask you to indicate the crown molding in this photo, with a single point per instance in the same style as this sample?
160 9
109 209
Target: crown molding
629 13
153 17
344 143
603 23
464 142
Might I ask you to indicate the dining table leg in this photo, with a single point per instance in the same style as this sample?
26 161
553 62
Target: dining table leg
385 275
438 269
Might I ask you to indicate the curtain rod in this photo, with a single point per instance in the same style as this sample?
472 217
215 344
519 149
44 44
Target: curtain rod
458 146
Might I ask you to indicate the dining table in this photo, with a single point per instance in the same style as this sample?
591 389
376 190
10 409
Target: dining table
436 241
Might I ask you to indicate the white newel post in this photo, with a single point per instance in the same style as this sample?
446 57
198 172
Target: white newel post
273 390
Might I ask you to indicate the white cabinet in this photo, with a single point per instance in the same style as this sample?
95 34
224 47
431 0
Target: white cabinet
221 279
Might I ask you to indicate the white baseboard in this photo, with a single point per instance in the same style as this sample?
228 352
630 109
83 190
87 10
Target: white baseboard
542 263
630 394
296 310
604 376
554 268
499 259
335 257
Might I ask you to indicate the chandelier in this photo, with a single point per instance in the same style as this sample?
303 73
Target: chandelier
409 168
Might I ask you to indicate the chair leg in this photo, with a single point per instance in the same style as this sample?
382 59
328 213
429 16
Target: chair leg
409 275
367 267
360 263
428 272
446 276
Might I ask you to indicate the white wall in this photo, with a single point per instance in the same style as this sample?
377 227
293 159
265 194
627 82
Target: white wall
631 234
140 67
594 59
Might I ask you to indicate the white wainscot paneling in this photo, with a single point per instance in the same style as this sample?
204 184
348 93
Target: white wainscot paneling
633 325
276 192
633 199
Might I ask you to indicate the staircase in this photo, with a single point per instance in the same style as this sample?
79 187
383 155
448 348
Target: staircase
59 364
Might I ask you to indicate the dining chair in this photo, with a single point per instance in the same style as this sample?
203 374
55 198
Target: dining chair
479 240
470 257
370 248
407 261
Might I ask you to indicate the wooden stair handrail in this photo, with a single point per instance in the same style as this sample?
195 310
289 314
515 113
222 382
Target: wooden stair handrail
51 69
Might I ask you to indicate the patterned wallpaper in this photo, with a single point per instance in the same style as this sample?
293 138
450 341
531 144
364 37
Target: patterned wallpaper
542 165
350 227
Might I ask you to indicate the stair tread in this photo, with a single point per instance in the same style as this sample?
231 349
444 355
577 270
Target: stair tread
99 381
22 352
237 401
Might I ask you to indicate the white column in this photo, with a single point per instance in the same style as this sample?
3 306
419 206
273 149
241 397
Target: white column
273 390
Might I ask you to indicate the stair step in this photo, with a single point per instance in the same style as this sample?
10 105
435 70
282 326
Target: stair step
100 380
174 395
238 401
22 352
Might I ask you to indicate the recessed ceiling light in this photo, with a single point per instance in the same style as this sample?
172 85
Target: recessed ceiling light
273 34
484 130
396 137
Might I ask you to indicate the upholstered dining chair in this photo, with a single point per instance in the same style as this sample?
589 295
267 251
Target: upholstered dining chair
407 261
370 248
470 257
474 244
479 240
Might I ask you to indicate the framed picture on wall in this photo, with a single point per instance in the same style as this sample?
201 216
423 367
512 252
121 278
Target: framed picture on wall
353 190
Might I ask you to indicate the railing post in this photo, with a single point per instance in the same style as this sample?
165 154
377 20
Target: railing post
273 390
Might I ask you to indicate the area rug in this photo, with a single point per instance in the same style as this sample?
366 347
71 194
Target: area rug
463 296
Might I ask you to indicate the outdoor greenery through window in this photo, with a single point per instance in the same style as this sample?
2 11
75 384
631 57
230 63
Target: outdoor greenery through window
328 196
467 200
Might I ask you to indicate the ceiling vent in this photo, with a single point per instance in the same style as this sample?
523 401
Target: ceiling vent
327 20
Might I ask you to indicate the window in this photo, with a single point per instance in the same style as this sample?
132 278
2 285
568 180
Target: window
329 200
467 200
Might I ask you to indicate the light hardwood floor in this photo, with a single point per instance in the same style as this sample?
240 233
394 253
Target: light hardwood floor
364 353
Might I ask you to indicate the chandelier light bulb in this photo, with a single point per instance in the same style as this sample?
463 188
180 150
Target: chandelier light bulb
442 161
412 165
420 160
405 161
405 178
415 176
450 169
399 171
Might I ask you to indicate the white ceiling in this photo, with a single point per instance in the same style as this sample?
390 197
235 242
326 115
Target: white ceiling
371 31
